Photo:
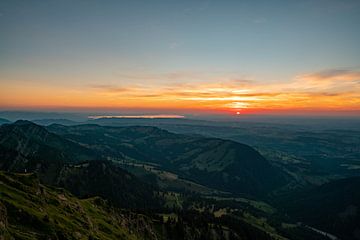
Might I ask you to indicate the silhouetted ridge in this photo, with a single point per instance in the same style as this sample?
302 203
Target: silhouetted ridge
26 146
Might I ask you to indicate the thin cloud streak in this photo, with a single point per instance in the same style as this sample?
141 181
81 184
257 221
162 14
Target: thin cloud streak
326 89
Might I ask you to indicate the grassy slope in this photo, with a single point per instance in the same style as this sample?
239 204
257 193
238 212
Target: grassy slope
29 210
35 212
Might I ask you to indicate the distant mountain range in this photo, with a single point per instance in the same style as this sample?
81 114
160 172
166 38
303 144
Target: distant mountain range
46 122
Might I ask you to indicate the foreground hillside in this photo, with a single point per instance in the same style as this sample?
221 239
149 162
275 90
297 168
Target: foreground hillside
33 211
30 210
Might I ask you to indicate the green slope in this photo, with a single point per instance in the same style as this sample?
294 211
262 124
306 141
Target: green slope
105 179
30 210
25 146
216 163
33 211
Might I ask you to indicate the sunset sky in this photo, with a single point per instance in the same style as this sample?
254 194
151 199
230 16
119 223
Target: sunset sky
178 57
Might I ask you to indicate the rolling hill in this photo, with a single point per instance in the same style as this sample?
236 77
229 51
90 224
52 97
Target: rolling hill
222 164
30 210
26 146
85 160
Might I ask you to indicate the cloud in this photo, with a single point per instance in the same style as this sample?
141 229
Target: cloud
333 80
334 88
333 75
109 88
181 77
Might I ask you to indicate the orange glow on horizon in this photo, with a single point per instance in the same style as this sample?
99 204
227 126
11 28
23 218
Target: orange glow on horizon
318 92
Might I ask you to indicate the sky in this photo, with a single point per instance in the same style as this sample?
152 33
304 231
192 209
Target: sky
179 57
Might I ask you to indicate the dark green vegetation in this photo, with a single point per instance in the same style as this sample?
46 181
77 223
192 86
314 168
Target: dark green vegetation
30 210
104 179
33 211
26 146
311 151
221 164
313 154
160 185
333 207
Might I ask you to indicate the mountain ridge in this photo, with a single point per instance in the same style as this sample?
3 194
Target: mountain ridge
196 158
26 146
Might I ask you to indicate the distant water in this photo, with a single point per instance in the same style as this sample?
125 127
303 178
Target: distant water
138 116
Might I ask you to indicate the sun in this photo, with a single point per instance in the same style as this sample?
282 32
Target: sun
237 113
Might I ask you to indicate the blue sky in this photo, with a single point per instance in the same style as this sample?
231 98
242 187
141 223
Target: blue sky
77 44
